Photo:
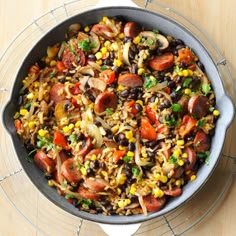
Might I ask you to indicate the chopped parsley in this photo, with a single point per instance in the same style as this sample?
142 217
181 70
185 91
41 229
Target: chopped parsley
28 105
52 74
149 82
201 123
135 171
85 203
44 142
69 196
104 67
30 156
173 159
86 45
171 121
187 82
176 107
109 111
127 159
206 88
72 138
204 155
177 69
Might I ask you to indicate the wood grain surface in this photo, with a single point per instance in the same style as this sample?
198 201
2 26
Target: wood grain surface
216 17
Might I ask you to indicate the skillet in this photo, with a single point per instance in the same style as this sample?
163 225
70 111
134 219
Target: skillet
148 20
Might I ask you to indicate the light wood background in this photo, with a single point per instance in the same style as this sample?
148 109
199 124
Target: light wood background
216 17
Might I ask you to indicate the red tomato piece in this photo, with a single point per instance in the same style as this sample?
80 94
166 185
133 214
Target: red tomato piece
162 62
60 140
75 90
34 69
147 130
188 124
108 76
152 116
18 125
60 66
186 56
118 154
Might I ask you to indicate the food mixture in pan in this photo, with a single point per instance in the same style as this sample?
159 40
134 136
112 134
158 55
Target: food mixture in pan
119 118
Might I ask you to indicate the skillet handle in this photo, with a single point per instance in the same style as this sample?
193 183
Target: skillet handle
117 230
107 3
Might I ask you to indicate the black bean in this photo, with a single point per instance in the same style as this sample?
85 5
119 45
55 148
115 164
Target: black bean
90 96
94 164
166 78
108 61
92 57
183 65
48 176
80 136
132 54
134 48
196 82
133 96
152 99
178 79
124 142
128 166
178 47
124 93
127 39
121 136
138 107
171 84
134 68
140 96
97 123
201 66
90 172
131 147
151 154
120 162
112 55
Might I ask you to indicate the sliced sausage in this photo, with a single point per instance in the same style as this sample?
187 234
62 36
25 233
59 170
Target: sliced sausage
70 172
174 192
57 93
132 29
198 106
105 100
192 157
178 172
201 141
154 204
130 80
183 102
45 163
93 152
103 31
86 147
86 193
96 184
162 62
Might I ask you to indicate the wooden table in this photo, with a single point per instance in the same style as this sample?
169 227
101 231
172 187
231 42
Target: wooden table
217 17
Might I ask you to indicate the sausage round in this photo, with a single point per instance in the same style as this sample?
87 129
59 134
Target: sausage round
162 62
131 29
154 204
198 106
201 141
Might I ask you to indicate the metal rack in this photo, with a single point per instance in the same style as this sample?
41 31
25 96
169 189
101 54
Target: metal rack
36 208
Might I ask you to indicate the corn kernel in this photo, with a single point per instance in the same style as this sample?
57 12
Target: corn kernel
77 124
91 106
180 73
50 183
140 102
130 154
178 182
83 170
103 50
114 46
47 60
157 176
180 142
133 189
66 129
30 96
216 112
117 63
86 29
36 84
118 191
187 91
190 72
53 63
158 193
185 73
180 162
184 155
107 44
104 173
122 179
132 140
141 71
31 124
121 35
104 19
121 147
176 153
114 129
71 126
163 178
137 40
42 132
99 62
98 55
193 177
93 157
120 88
123 203
129 134
23 112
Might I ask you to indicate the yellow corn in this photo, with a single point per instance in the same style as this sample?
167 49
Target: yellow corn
99 62
93 157
86 29
180 162
42 132
77 124
193 177
118 191
23 112
176 153
129 134
36 84
180 142
216 112
53 63
158 193
140 102
114 46
130 154
121 35
187 91
190 72
50 183
122 179
117 63
141 71
163 178
178 182
121 147
31 124
91 106
107 44
104 173
114 129
185 155
83 170
180 73
30 96
157 176
137 40
124 202
104 19
133 189
185 73
66 129
103 50
71 126
98 55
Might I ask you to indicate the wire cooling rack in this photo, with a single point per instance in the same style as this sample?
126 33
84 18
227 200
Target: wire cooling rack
36 208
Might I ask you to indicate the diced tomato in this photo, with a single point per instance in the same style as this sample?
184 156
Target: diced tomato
74 102
75 90
60 66
151 114
108 76
188 124
60 140
186 56
18 125
133 110
34 69
118 154
147 130
168 90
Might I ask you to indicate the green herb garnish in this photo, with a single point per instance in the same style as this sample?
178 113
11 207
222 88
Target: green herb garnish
51 74
187 82
86 45
173 159
135 171
30 156
127 159
149 82
72 138
45 142
69 196
206 88
176 107
171 121
204 155
109 111
28 105
201 123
